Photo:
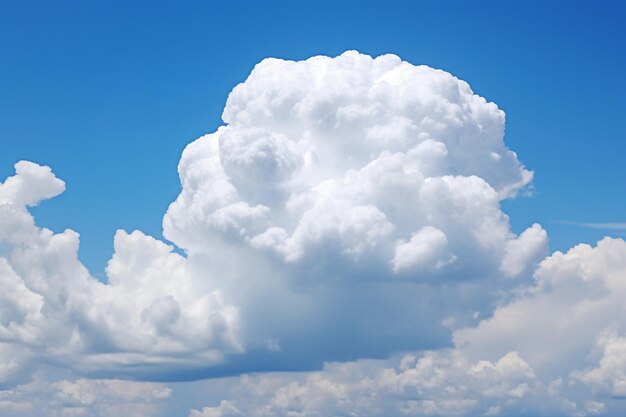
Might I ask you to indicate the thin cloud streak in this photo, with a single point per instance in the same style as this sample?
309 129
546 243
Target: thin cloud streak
591 225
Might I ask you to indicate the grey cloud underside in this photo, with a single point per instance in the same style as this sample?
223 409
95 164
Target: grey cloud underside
558 348
349 208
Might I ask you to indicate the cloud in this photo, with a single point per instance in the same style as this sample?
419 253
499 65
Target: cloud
577 297
150 314
224 409
569 324
348 210
557 348
423 249
441 383
609 375
346 193
521 252
348 207
606 226
85 397
30 184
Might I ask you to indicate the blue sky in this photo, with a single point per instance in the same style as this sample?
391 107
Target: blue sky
348 240
109 93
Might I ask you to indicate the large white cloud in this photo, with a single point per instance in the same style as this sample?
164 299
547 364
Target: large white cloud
348 193
348 208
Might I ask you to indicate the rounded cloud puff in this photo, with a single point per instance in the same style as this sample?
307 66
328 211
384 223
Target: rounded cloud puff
355 159
30 184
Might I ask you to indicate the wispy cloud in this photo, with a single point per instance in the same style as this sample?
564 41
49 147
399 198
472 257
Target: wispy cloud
593 225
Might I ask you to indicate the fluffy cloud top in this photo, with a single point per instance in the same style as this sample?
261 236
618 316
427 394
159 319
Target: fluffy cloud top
349 158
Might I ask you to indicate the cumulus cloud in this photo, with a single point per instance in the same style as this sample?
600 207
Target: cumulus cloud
348 208
609 375
30 184
347 181
351 152
557 348
570 323
149 314
353 181
423 249
565 316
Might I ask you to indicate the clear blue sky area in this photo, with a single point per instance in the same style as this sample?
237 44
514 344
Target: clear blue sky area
108 93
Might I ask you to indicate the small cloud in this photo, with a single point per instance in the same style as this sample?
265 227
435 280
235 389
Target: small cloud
273 345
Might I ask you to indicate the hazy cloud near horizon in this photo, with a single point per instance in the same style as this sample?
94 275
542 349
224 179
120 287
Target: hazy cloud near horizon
347 211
